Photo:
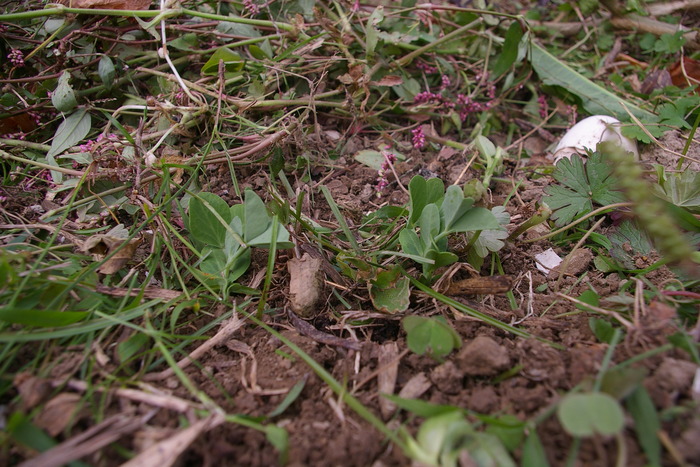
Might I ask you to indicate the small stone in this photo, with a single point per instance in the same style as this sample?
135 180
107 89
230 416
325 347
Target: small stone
483 357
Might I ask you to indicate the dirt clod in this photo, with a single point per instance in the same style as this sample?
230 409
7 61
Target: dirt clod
483 357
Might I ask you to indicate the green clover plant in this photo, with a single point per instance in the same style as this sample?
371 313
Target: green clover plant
433 215
226 234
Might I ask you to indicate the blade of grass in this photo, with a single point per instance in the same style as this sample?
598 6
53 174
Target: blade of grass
341 220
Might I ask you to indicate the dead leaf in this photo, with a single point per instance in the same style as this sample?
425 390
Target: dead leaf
686 75
389 80
108 4
481 285
166 452
305 284
58 413
32 389
99 246
21 122
386 379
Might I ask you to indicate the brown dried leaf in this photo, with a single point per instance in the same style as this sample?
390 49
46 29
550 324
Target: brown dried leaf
58 413
386 379
166 452
108 4
481 285
32 389
305 284
102 245
388 80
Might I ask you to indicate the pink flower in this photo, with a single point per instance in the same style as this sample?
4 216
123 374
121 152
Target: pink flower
418 139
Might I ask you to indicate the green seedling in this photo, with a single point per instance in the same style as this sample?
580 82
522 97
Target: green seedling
433 215
227 233
431 336
442 438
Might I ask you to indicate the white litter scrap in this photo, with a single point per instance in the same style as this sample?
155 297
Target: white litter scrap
547 260
587 133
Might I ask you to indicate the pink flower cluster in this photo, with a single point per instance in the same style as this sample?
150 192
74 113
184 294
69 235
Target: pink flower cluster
91 144
251 7
542 103
429 69
16 57
382 182
418 138
464 104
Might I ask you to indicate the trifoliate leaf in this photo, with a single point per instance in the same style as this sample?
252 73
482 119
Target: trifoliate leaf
582 186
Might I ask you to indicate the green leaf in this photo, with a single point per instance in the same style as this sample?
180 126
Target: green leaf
602 329
475 219
628 240
423 192
410 243
620 382
279 439
289 399
41 318
63 97
681 189
534 454
374 159
583 186
208 217
390 292
106 71
646 424
509 51
454 206
491 240
429 224
70 132
430 335
589 414
509 429
256 220
130 347
596 100
372 31
232 62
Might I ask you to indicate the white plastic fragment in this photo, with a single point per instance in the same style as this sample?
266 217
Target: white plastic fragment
547 260
587 133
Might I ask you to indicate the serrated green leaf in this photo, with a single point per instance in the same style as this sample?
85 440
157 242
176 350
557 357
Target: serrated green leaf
681 189
584 185
491 240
